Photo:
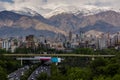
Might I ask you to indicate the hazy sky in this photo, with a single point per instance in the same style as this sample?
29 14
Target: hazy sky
18 4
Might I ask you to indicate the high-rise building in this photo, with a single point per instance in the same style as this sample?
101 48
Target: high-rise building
70 36
77 37
116 39
0 43
41 39
30 41
82 35
6 44
102 44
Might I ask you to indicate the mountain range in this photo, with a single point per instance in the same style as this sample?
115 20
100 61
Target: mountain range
14 24
20 23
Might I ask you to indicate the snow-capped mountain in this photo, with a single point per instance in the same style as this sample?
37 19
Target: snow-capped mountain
48 8
61 19
26 11
85 10
53 9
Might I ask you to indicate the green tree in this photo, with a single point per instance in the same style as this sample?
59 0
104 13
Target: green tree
116 77
102 77
84 51
3 74
112 69
43 76
2 51
56 74
97 66
78 74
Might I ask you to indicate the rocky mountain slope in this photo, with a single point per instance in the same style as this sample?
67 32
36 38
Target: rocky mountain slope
14 23
105 21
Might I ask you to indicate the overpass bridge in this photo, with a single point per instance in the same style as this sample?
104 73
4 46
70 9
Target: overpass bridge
58 55
30 56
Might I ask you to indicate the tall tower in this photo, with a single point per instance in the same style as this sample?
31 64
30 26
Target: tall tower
117 38
82 35
108 39
70 35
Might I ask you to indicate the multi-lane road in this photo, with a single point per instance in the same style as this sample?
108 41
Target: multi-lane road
45 69
18 73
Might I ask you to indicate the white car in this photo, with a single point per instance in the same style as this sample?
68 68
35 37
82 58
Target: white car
36 72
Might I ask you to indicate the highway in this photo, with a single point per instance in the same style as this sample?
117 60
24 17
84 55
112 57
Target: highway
57 55
18 73
39 70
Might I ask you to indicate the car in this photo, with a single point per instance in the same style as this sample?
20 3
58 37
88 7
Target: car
36 72
32 78
16 78
22 73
